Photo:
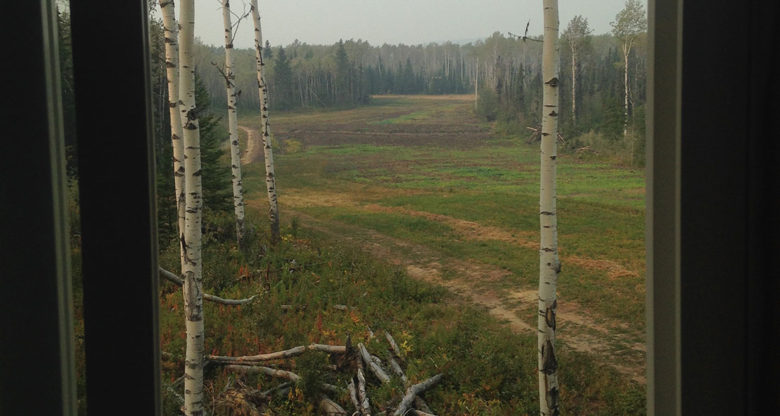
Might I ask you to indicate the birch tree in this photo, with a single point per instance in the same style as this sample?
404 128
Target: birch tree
576 34
265 129
232 101
191 238
549 264
171 29
628 25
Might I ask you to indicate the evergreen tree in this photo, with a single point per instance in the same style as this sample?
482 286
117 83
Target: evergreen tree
283 81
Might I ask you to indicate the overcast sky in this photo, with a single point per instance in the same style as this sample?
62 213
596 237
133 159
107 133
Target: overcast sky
394 21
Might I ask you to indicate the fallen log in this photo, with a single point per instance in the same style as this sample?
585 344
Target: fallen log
398 370
376 369
331 408
275 372
353 395
278 355
365 407
394 346
172 277
413 391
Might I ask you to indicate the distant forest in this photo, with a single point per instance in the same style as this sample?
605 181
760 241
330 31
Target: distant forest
507 69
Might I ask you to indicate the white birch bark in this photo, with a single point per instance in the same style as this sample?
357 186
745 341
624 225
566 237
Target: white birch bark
573 83
626 52
549 265
172 73
232 101
265 130
191 241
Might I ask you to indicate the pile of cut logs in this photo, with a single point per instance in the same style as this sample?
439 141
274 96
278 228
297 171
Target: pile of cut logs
363 366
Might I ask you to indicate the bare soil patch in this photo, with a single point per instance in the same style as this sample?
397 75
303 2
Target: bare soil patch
610 344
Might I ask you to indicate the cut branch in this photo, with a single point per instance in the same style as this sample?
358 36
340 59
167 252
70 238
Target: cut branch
171 277
365 407
329 407
413 391
376 369
394 346
273 372
353 395
278 355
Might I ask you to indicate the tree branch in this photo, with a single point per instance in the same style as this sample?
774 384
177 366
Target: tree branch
413 391
171 277
278 355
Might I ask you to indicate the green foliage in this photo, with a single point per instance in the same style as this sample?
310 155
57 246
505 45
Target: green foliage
313 367
282 90
487 104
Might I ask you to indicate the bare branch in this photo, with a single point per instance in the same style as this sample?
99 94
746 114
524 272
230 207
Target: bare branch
376 369
278 355
171 277
413 391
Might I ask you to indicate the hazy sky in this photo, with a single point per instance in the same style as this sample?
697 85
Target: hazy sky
394 21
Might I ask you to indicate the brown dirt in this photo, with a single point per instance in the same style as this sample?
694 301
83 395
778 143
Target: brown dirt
612 344
254 147
467 229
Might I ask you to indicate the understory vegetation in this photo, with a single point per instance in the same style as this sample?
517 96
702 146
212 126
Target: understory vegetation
487 371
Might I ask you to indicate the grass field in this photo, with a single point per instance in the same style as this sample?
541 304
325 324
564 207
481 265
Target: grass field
425 189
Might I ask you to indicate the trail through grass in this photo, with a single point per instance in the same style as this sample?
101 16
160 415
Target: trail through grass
419 183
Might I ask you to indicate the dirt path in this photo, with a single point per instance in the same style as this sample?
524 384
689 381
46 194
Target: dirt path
581 331
254 146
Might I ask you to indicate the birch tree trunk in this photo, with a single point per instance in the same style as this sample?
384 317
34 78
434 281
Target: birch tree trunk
549 264
265 130
574 84
172 72
232 100
191 241
626 52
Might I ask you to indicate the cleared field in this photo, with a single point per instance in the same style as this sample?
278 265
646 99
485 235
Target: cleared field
420 183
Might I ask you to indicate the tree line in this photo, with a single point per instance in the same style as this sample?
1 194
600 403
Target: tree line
603 77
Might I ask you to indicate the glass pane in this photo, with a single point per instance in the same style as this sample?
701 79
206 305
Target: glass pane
407 157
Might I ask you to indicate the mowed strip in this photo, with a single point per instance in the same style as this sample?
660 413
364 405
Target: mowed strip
608 342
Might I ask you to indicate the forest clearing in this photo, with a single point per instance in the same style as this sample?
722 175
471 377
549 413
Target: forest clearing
385 206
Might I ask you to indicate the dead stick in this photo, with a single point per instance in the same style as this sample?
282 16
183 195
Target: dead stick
216 299
365 407
398 370
331 408
278 355
394 346
353 395
413 391
273 372
377 370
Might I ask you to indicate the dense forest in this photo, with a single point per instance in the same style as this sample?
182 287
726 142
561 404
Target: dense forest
506 68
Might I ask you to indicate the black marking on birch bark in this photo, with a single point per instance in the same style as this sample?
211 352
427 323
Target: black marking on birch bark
172 104
545 134
546 213
197 173
190 126
549 315
547 250
552 397
553 82
549 363
229 45
169 64
235 142
553 114
553 157
558 268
